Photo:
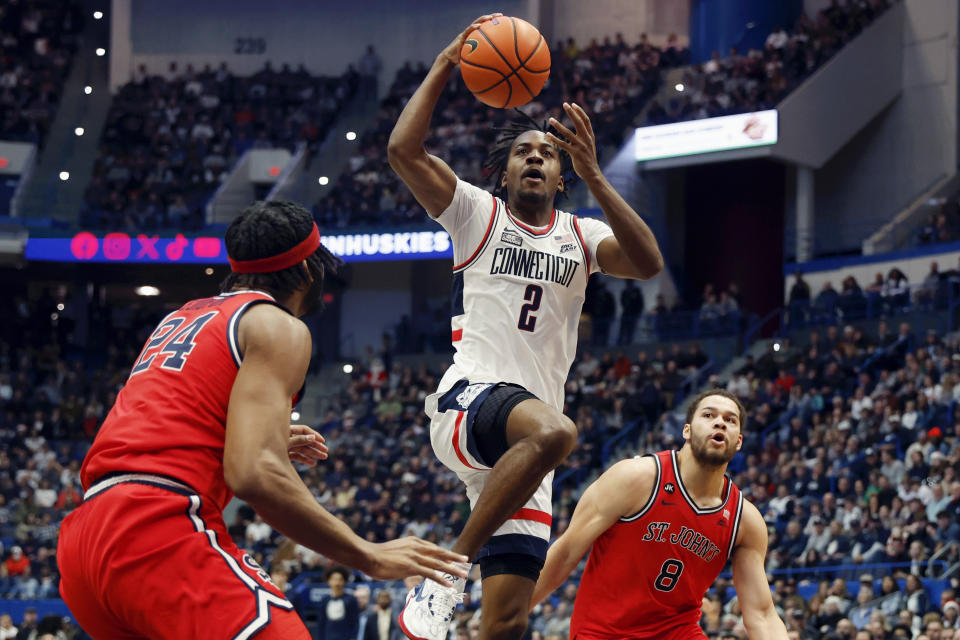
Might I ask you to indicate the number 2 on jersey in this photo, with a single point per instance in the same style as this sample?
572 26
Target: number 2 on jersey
174 348
532 296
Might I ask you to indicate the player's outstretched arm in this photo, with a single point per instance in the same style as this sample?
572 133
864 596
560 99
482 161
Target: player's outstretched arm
276 351
750 579
428 177
620 491
633 251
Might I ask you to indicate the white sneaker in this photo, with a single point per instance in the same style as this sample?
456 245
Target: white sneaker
429 609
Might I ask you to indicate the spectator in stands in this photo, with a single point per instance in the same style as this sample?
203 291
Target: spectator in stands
833 427
16 563
7 629
675 54
381 623
613 80
729 306
896 289
257 532
877 285
931 284
951 615
831 613
819 538
711 312
927 234
826 301
794 541
631 308
37 43
369 68
168 143
338 616
799 291
944 233
917 600
604 308
759 80
851 301
778 38
29 626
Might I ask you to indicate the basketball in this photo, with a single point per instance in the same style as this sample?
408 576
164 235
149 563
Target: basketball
505 62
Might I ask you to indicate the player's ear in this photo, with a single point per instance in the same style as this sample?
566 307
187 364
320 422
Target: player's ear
503 179
686 431
560 185
739 441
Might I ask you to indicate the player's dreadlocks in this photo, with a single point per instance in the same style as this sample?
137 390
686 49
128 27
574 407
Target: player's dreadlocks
496 161
268 228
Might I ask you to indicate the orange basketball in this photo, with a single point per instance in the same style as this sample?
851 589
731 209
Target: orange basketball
505 62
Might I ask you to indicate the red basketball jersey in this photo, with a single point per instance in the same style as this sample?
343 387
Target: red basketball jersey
170 418
647 574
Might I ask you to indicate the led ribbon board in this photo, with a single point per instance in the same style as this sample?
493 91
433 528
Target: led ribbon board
152 249
705 136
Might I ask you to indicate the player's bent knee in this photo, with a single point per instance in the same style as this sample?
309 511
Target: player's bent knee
509 628
570 427
557 438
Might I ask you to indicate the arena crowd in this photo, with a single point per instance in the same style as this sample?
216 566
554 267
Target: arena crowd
851 453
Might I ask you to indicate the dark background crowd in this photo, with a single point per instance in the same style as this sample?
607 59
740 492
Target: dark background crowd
38 39
170 140
852 445
942 223
169 143
611 79
850 452
760 78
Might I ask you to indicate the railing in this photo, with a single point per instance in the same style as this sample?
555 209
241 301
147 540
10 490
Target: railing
778 424
691 382
860 613
689 325
610 443
854 571
755 324
287 175
901 230
347 347
951 571
675 326
19 192
684 325
935 560
308 587
232 195
873 305
579 473
572 475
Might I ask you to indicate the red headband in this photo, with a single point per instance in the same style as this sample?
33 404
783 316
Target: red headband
281 261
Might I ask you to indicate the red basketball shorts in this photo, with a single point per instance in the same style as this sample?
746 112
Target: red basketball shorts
145 557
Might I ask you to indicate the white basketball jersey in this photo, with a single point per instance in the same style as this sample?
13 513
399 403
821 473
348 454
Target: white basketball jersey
517 293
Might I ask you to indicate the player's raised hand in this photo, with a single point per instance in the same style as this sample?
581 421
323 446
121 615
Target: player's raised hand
306 445
452 52
581 145
398 559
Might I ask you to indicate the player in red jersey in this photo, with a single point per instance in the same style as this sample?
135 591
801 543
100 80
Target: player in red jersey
204 415
662 528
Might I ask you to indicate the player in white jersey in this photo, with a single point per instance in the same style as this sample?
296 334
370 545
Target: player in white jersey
520 274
